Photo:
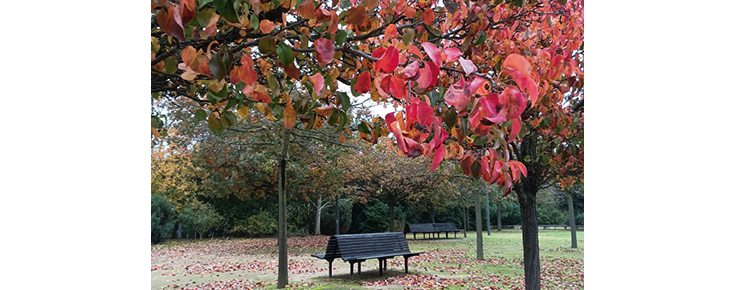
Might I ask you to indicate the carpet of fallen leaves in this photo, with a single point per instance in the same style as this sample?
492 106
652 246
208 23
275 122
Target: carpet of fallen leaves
436 268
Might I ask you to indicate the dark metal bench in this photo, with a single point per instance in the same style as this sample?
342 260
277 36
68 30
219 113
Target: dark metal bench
360 247
446 228
419 229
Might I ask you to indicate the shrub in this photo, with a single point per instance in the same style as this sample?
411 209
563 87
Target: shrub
162 219
376 218
345 218
261 224
548 214
199 219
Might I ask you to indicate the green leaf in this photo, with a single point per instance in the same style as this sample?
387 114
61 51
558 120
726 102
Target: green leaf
408 35
341 36
227 60
285 54
216 131
267 45
225 123
450 119
156 122
218 96
481 140
254 22
200 114
363 128
342 121
171 64
521 3
345 100
562 2
345 4
204 2
226 8
217 67
481 38
527 158
230 117
333 117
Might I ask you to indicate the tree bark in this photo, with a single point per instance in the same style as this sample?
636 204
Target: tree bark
336 214
318 229
487 212
282 234
391 211
572 223
478 223
500 222
466 224
529 228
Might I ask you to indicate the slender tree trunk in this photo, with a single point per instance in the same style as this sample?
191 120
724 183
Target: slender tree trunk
500 222
478 223
572 222
487 212
529 228
336 214
282 234
391 213
318 229
466 224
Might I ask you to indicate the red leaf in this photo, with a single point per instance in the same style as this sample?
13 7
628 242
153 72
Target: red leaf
433 53
434 73
188 10
467 65
363 83
458 99
440 135
424 80
515 129
383 85
452 53
398 87
378 52
410 70
324 50
515 101
438 157
389 61
318 81
466 163
292 71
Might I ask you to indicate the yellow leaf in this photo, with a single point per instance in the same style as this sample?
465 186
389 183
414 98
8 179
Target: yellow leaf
213 121
260 106
243 112
155 44
269 113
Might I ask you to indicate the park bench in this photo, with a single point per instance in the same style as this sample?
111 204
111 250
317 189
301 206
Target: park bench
419 229
357 248
446 228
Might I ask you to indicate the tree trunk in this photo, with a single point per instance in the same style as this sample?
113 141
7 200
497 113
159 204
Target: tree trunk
500 222
318 229
392 225
572 222
529 228
336 214
487 212
478 223
466 224
282 234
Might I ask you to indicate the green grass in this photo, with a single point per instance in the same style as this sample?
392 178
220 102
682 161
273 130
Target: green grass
446 262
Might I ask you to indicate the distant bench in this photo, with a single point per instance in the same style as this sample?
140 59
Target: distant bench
360 247
430 229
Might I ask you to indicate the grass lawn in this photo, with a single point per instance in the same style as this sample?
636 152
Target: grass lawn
446 264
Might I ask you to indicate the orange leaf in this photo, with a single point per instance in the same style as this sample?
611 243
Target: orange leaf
266 26
428 16
391 31
342 138
518 62
289 115
318 81
355 15
409 12
334 23
307 9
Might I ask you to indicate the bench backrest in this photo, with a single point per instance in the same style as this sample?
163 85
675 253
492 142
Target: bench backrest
351 246
419 228
445 227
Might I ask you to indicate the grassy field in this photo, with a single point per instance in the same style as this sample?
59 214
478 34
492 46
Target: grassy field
446 264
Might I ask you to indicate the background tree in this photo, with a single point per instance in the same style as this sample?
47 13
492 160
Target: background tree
479 72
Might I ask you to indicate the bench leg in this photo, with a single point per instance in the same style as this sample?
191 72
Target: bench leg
405 262
351 269
330 269
359 267
380 268
447 235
